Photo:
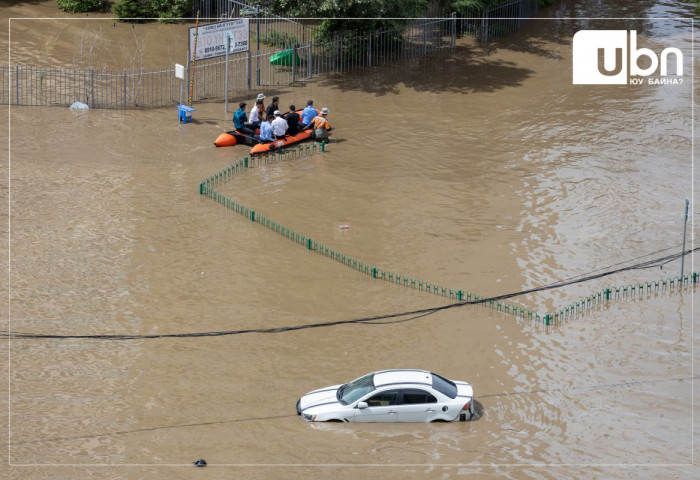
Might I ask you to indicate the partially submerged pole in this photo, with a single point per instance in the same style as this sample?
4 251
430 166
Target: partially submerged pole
194 58
228 47
685 224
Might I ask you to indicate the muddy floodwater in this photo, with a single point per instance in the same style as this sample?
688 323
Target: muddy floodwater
483 169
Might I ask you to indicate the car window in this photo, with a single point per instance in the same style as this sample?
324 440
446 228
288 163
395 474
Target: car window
383 399
444 386
356 389
415 396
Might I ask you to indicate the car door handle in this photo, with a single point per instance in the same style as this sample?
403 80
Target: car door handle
391 411
429 410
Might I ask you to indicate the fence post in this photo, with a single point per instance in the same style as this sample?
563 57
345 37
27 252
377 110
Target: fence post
17 82
369 50
294 63
454 29
92 88
685 223
124 89
250 67
309 62
484 28
228 47
425 37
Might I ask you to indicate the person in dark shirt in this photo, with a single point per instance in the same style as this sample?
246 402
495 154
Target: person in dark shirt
272 107
240 120
292 118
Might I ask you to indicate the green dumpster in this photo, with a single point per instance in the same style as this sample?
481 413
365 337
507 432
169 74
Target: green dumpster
285 58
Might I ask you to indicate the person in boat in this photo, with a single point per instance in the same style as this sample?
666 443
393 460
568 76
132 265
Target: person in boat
293 119
279 125
261 96
308 114
240 120
273 107
320 125
266 131
256 113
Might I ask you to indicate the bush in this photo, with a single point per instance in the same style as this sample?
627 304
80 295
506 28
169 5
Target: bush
171 10
132 9
279 39
165 10
79 6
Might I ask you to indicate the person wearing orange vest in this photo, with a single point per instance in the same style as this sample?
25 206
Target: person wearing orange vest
320 125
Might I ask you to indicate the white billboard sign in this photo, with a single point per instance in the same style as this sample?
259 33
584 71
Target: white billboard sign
211 38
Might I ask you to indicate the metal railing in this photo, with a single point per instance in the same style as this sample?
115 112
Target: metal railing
252 70
499 21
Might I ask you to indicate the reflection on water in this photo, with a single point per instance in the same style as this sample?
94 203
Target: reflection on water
522 179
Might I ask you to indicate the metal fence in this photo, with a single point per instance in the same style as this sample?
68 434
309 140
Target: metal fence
498 21
250 71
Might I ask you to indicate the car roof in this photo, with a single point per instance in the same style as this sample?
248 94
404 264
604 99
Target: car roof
388 377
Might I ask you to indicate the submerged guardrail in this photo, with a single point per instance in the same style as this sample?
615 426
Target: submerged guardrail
207 188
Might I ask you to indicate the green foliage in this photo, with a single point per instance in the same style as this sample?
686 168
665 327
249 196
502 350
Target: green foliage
132 9
171 10
279 39
165 10
475 7
371 14
80 6
470 7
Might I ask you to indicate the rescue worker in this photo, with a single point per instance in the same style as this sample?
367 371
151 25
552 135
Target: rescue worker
320 125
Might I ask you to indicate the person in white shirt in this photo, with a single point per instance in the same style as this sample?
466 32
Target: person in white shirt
279 125
255 116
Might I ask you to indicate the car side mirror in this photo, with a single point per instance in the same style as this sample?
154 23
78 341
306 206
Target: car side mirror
361 405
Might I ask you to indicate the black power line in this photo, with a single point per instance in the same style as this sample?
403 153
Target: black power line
374 320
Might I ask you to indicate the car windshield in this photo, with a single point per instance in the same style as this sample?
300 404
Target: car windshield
356 389
444 386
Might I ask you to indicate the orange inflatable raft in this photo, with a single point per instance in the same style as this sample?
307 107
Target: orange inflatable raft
234 137
287 141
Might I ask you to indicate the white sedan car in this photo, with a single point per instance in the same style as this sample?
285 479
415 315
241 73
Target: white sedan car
390 396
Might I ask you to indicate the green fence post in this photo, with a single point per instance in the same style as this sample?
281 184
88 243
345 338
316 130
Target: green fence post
695 277
323 146
607 294
308 243
374 272
252 215
546 319
201 188
245 162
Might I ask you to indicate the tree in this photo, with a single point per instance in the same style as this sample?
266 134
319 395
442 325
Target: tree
165 10
132 9
475 7
350 16
79 6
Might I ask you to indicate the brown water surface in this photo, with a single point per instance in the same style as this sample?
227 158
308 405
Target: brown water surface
481 169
